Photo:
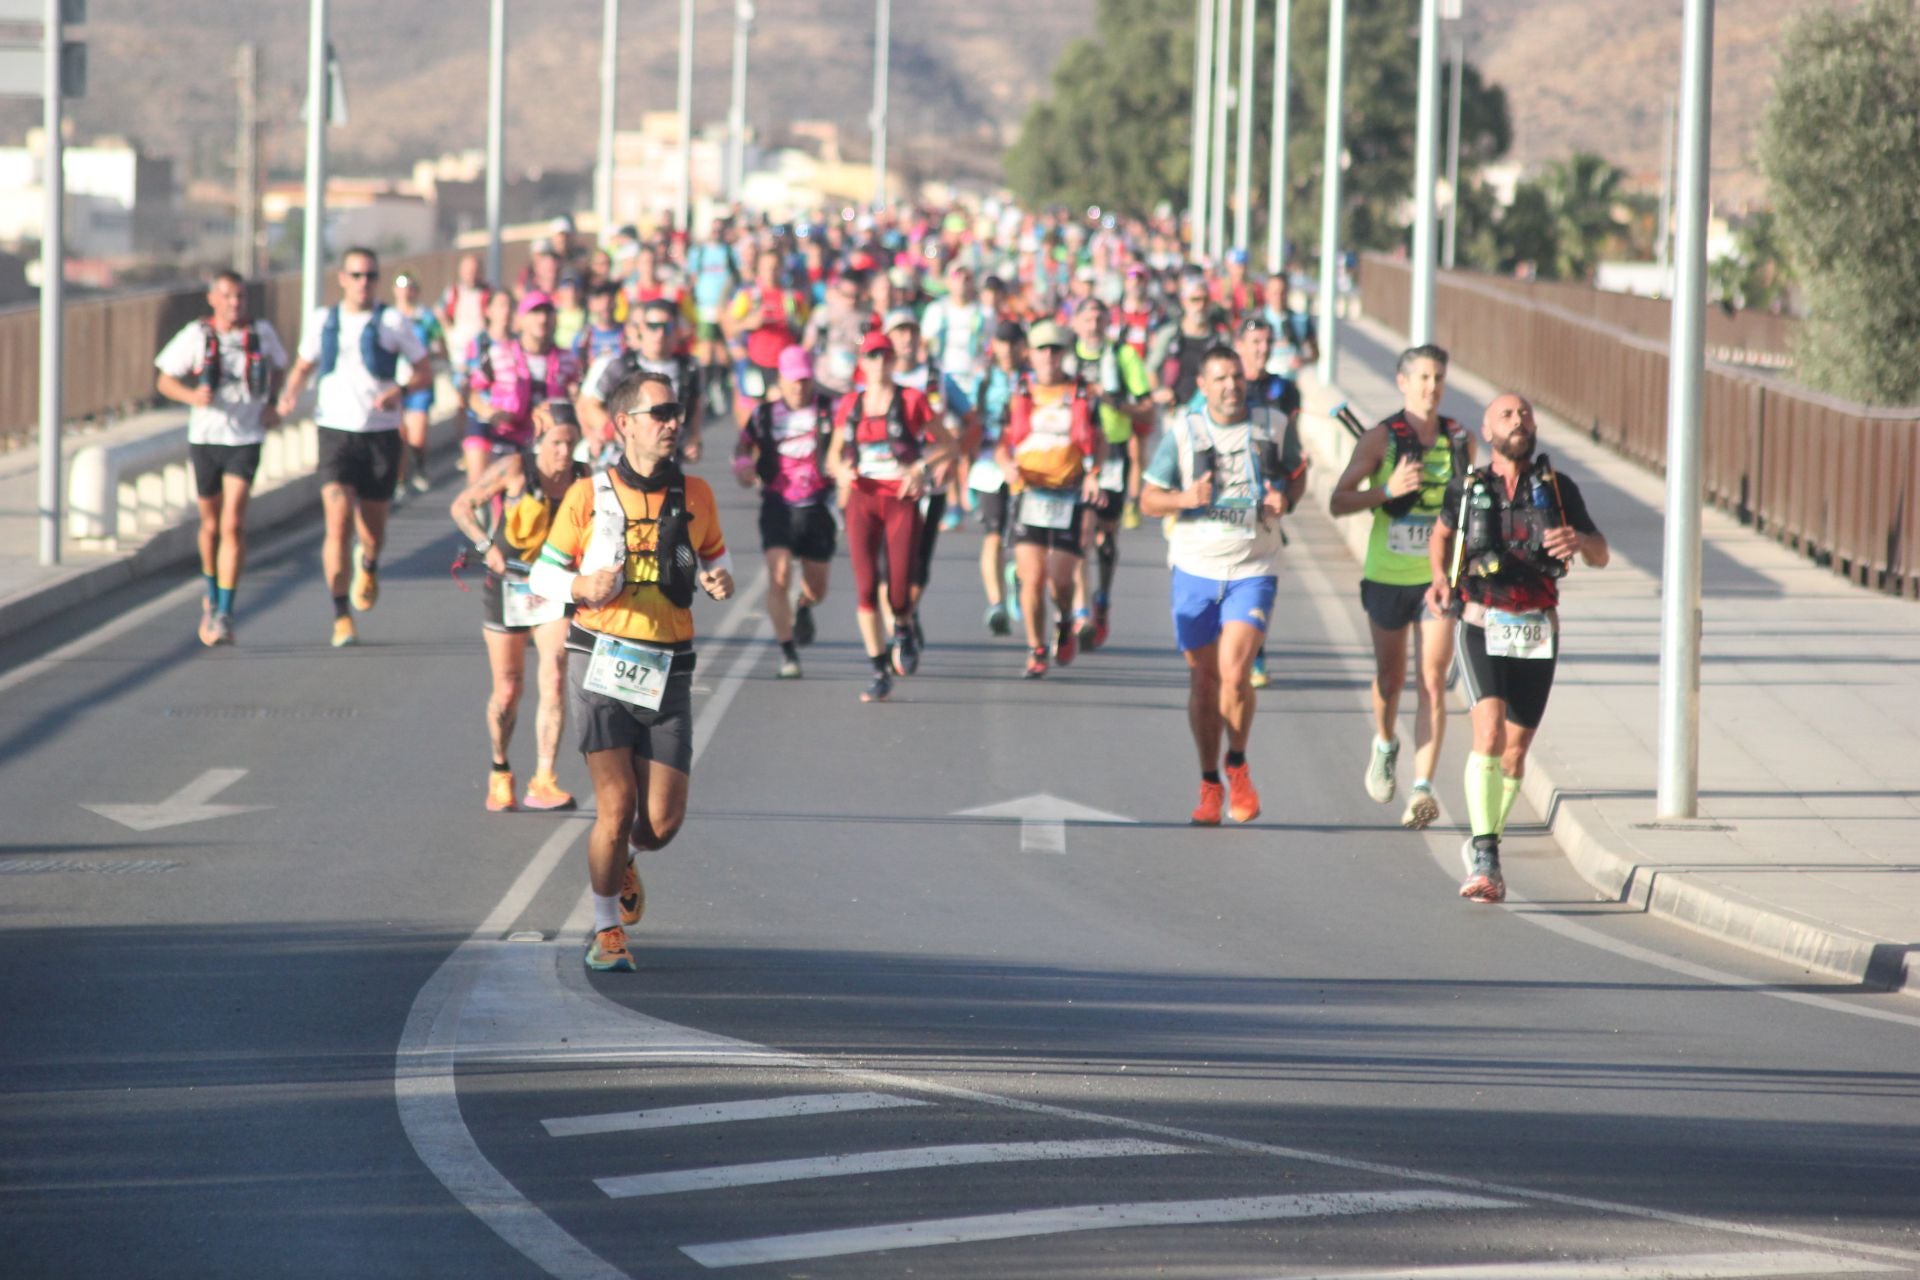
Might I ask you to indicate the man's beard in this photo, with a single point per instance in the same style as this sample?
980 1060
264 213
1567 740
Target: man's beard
1518 446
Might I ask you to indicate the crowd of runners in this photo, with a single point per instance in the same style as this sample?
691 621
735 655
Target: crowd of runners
882 381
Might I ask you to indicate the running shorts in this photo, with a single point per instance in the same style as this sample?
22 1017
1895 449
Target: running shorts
808 532
664 736
1392 608
367 462
1522 683
212 463
1203 606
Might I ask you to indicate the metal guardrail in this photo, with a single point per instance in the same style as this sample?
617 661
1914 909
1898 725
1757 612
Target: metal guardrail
111 342
1839 482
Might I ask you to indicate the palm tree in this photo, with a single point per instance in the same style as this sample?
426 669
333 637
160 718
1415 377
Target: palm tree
1583 192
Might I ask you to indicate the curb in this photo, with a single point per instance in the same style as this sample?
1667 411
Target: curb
1593 846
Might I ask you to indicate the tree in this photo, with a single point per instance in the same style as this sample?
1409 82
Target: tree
1116 129
1754 274
1838 146
1582 191
1527 234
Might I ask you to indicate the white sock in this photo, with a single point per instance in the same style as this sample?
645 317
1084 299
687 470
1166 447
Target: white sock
1423 784
606 912
1381 744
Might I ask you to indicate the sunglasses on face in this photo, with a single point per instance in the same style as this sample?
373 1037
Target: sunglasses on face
362 275
670 411
878 355
657 325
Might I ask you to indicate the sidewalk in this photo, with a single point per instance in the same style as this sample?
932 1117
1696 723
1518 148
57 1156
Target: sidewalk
1808 842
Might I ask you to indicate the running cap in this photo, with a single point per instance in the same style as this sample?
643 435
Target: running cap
1237 256
874 343
1009 331
795 365
563 223
535 300
899 318
1046 334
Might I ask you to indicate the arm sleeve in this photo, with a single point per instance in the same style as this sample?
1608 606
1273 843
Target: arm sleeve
1163 472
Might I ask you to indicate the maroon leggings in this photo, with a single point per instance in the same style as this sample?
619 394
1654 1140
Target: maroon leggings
875 520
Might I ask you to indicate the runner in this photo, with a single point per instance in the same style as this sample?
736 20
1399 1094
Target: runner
478 358
355 348
1270 390
417 404
628 547
1523 523
984 479
226 369
529 486
834 332
1406 463
1137 315
913 371
713 271
463 310
1051 454
516 376
603 335
1296 342
886 441
783 450
651 342
1227 473
1119 379
1178 350
569 313
764 319
959 338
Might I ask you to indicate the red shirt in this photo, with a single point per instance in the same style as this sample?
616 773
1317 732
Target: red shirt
879 466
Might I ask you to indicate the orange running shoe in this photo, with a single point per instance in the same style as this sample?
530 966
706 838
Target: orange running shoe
1212 797
607 951
632 896
343 633
365 592
500 792
544 793
1243 802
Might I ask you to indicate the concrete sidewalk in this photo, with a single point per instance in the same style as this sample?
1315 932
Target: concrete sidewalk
1808 843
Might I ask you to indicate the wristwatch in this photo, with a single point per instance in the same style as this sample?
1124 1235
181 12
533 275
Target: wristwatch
483 546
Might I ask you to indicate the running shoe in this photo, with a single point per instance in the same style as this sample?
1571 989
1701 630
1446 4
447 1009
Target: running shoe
366 586
1036 664
632 896
1422 809
804 629
997 621
1484 882
500 792
343 633
1087 631
950 520
880 690
1066 643
1101 626
223 628
1213 796
399 496
1011 578
544 793
789 669
906 650
1130 517
1380 764
1259 678
209 634
419 482
1243 802
607 952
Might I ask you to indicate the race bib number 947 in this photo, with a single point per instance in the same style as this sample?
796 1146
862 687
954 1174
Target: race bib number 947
630 672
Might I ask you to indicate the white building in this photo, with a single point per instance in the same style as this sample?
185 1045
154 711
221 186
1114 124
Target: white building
119 202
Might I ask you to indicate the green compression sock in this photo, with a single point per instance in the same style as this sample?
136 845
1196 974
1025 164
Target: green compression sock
1483 794
1509 788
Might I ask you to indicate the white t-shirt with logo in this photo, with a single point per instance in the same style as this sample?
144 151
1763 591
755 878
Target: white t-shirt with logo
234 416
346 395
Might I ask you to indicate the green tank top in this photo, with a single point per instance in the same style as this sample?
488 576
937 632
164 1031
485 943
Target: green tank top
1397 545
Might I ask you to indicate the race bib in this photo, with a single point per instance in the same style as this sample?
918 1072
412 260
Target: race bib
985 475
1113 475
631 673
1519 635
1048 508
1230 522
753 383
519 607
1409 535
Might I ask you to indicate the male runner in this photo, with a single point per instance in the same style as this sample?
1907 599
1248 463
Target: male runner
1274 391
1227 473
783 449
1118 377
651 348
1501 542
417 404
629 546
1051 454
226 370
1180 348
355 349
1406 462
983 478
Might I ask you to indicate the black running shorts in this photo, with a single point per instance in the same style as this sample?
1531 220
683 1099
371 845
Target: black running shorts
808 532
1394 608
664 736
1522 683
367 462
212 463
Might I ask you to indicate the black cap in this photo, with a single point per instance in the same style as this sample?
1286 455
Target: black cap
1009 331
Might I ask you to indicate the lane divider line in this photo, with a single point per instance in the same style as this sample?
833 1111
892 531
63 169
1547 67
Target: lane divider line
799 1104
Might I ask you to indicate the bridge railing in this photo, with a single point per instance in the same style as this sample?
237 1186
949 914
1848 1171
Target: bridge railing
1837 481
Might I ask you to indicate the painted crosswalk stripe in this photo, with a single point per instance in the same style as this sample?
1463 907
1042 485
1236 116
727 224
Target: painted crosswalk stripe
840 1166
1683 1266
802 1104
1090 1217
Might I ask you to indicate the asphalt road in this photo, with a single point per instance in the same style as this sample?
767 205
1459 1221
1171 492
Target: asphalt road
872 1034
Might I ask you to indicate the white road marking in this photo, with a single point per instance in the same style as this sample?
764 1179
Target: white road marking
1684 1266
799 1104
188 804
1090 1217
719 1177
1043 819
423 1077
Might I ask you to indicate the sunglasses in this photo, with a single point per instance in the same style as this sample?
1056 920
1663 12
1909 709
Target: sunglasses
878 355
670 411
361 275
661 325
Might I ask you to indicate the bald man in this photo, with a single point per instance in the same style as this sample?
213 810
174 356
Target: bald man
1506 535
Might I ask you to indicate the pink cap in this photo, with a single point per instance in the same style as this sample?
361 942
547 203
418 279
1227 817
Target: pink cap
534 300
795 364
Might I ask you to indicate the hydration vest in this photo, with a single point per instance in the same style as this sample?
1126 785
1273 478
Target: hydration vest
1489 551
1406 443
379 361
213 368
759 430
901 441
676 565
1262 443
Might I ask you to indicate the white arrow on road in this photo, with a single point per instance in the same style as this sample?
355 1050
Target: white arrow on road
188 804
1043 819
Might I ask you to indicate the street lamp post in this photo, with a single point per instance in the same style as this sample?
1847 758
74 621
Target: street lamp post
1222 91
496 134
1426 152
1679 783
1453 153
609 89
882 52
737 108
313 246
53 286
1243 157
1330 191
1200 181
683 201
1277 175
